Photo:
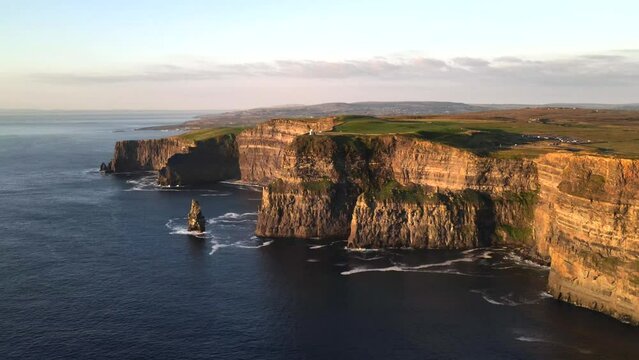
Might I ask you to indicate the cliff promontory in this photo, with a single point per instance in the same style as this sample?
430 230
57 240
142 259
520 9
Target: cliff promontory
576 210
192 159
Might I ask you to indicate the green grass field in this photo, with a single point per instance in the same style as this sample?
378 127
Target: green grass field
205 134
516 133
508 138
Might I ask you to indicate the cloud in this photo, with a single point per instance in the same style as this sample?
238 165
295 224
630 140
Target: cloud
620 68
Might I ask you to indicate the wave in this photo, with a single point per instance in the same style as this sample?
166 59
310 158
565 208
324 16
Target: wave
234 218
538 339
266 243
417 268
525 262
177 226
362 250
91 171
145 183
530 339
217 194
368 259
510 300
320 246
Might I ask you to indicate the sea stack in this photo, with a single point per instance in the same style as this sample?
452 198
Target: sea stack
105 169
196 219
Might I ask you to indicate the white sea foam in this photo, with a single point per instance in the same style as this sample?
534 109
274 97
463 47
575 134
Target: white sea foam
233 218
144 183
217 194
266 243
525 262
417 268
315 247
362 250
538 339
369 259
530 339
177 226
509 299
312 260
216 246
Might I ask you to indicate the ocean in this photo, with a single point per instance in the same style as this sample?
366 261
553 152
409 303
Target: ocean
99 266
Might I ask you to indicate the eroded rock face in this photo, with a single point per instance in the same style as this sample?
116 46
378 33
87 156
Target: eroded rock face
146 155
578 212
178 161
321 211
438 221
196 221
588 223
446 168
264 148
205 162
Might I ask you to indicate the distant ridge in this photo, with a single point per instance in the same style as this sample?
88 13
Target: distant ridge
373 108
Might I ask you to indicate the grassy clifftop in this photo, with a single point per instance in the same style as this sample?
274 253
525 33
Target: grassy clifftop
515 133
518 133
205 134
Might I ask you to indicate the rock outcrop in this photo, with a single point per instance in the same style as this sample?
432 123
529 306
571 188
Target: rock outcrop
196 221
369 186
264 148
177 160
208 161
146 155
588 223
449 220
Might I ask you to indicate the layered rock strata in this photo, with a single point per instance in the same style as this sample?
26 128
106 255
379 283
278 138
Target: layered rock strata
146 155
207 161
178 161
588 223
580 213
264 148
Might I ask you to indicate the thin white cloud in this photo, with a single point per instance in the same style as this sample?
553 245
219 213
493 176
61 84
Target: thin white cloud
620 68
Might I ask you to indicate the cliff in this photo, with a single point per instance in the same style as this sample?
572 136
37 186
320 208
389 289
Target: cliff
580 213
401 193
208 161
588 223
263 149
428 221
577 212
179 160
146 155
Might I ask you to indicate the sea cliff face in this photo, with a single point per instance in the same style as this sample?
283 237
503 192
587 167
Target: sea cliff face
264 148
207 161
435 221
391 203
588 222
146 155
580 213
179 161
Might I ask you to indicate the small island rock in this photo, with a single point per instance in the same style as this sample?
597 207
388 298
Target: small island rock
196 220
104 168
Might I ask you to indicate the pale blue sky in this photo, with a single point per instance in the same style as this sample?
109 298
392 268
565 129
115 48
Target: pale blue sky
229 54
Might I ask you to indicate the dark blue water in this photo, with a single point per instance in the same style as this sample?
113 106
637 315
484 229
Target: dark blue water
96 266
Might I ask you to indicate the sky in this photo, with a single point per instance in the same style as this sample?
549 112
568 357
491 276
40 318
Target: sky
222 54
